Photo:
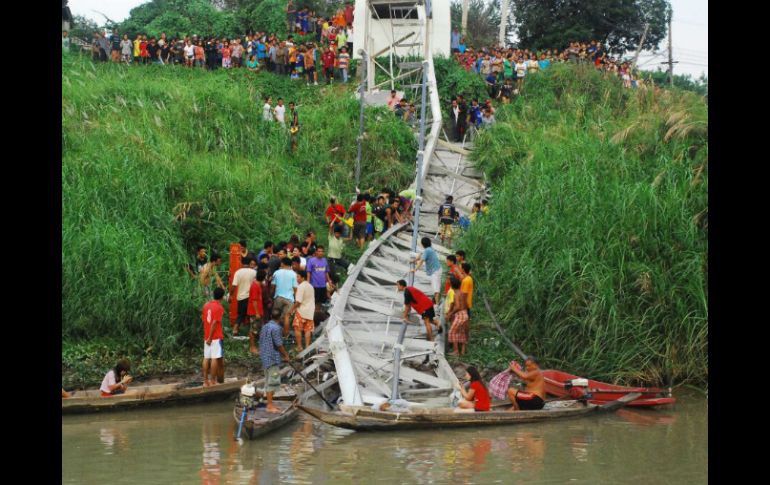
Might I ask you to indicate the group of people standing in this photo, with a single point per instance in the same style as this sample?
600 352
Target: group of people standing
502 67
330 55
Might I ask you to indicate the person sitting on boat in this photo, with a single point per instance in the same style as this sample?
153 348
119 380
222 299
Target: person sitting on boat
534 397
270 352
111 386
476 398
414 298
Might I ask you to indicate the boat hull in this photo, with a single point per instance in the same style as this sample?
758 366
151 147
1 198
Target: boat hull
361 418
602 392
147 396
259 422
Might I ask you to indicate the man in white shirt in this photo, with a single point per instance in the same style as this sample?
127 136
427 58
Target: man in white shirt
240 288
280 112
189 53
304 305
267 110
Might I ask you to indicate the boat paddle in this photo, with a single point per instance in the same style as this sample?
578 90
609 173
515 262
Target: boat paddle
240 425
309 384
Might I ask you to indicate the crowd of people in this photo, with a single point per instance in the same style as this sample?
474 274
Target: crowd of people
316 44
502 67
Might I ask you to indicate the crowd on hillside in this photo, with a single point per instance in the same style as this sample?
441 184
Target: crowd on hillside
316 44
501 67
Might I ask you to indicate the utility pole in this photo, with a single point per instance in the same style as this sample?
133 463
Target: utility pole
464 27
503 22
641 43
362 94
670 51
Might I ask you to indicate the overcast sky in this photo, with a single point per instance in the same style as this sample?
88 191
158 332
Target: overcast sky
690 31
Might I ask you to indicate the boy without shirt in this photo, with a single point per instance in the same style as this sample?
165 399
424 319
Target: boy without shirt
209 269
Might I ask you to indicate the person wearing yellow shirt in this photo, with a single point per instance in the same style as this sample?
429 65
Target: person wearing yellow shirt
466 285
137 50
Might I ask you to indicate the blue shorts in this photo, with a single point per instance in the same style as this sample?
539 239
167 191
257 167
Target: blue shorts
369 228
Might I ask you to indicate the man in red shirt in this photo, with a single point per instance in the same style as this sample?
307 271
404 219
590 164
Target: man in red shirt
359 220
212 339
334 209
416 299
255 311
328 59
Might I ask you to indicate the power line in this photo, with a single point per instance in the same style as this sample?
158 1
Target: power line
691 23
691 50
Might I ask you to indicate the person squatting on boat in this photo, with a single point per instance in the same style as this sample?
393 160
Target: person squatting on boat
110 385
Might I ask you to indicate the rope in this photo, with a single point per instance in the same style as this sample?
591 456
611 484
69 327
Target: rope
499 328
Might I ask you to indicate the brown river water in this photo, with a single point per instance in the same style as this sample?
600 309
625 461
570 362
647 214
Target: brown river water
195 445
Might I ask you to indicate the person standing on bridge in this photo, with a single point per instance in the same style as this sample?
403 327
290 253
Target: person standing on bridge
447 215
432 267
417 300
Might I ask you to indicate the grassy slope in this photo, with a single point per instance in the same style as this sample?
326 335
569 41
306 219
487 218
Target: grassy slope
594 254
157 160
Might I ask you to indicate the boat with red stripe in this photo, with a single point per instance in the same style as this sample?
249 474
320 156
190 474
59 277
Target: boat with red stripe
564 385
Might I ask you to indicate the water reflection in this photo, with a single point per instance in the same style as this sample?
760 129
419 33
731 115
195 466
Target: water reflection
109 436
210 469
196 445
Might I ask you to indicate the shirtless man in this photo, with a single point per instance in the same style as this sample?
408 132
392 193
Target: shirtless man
458 315
534 398
206 272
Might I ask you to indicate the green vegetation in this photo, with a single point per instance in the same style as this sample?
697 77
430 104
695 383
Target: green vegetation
158 159
594 255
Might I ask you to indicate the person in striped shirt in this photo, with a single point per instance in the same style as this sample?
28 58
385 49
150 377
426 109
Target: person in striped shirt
344 63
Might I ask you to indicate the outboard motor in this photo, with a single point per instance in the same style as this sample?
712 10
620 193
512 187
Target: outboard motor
248 397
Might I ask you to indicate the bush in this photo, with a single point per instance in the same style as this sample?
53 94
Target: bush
158 159
594 254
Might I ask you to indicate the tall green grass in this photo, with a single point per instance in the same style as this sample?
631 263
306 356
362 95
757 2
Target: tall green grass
158 159
594 255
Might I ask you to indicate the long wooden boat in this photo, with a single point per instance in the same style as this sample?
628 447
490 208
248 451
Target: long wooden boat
364 418
258 421
140 396
556 384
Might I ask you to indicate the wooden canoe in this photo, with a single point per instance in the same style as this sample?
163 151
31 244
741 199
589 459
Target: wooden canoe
364 418
141 396
259 422
602 392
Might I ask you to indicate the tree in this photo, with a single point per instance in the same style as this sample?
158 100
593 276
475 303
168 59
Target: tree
483 22
83 28
618 24
180 17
